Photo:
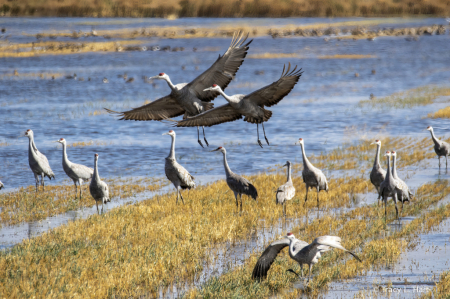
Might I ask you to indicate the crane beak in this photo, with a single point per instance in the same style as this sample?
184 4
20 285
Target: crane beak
373 143
285 165
215 150
154 77
207 89
165 133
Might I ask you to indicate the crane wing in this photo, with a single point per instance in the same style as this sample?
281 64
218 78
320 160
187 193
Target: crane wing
267 258
326 243
221 114
271 94
163 108
222 71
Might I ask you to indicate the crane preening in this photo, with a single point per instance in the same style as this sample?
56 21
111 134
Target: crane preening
189 98
238 184
251 106
300 251
38 162
176 173
77 172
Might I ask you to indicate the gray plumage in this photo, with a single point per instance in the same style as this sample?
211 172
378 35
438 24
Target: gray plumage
189 98
299 251
239 185
251 106
38 161
98 188
287 191
378 174
312 176
404 194
77 172
176 173
441 148
389 187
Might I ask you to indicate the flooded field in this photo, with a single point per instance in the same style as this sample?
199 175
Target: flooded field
352 92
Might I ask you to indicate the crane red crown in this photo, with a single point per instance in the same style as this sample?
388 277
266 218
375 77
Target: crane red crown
171 131
377 140
220 147
161 74
61 139
28 130
428 127
388 152
300 139
289 234
96 155
214 85
393 152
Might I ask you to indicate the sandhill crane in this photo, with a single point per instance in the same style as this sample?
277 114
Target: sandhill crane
404 194
378 174
1 185
77 172
389 187
239 185
299 251
312 176
38 162
98 188
176 173
287 191
189 98
441 148
251 106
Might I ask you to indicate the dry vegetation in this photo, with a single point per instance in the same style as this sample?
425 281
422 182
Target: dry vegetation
442 289
26 205
143 248
209 8
441 113
420 96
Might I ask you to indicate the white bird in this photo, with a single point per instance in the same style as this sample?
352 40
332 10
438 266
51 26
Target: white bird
77 172
98 188
287 191
238 184
441 148
312 176
38 162
251 106
189 98
299 251
378 174
176 173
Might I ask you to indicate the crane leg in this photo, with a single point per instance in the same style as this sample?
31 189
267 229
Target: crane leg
237 202
395 203
379 196
284 212
198 137
36 178
204 137
439 157
257 132
445 161
262 124
318 197
306 196
102 206
76 191
309 277
385 209
80 182
96 203
42 182
182 199
240 196
178 193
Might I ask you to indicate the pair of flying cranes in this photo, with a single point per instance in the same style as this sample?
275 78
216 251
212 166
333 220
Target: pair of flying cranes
193 100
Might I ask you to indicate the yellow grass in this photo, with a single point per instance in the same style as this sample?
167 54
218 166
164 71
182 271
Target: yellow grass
441 290
441 113
27 205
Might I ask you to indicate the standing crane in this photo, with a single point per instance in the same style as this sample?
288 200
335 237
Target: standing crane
176 173
98 188
404 194
299 251
77 172
389 187
189 98
312 176
239 185
441 148
38 162
378 174
287 191
251 106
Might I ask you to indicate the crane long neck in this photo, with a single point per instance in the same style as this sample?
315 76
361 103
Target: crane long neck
229 99
225 164
291 247
65 159
31 146
172 149
289 179
377 157
394 167
306 162
388 172
170 83
435 140
96 176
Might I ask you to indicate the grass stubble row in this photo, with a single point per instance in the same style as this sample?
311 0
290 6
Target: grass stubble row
142 248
